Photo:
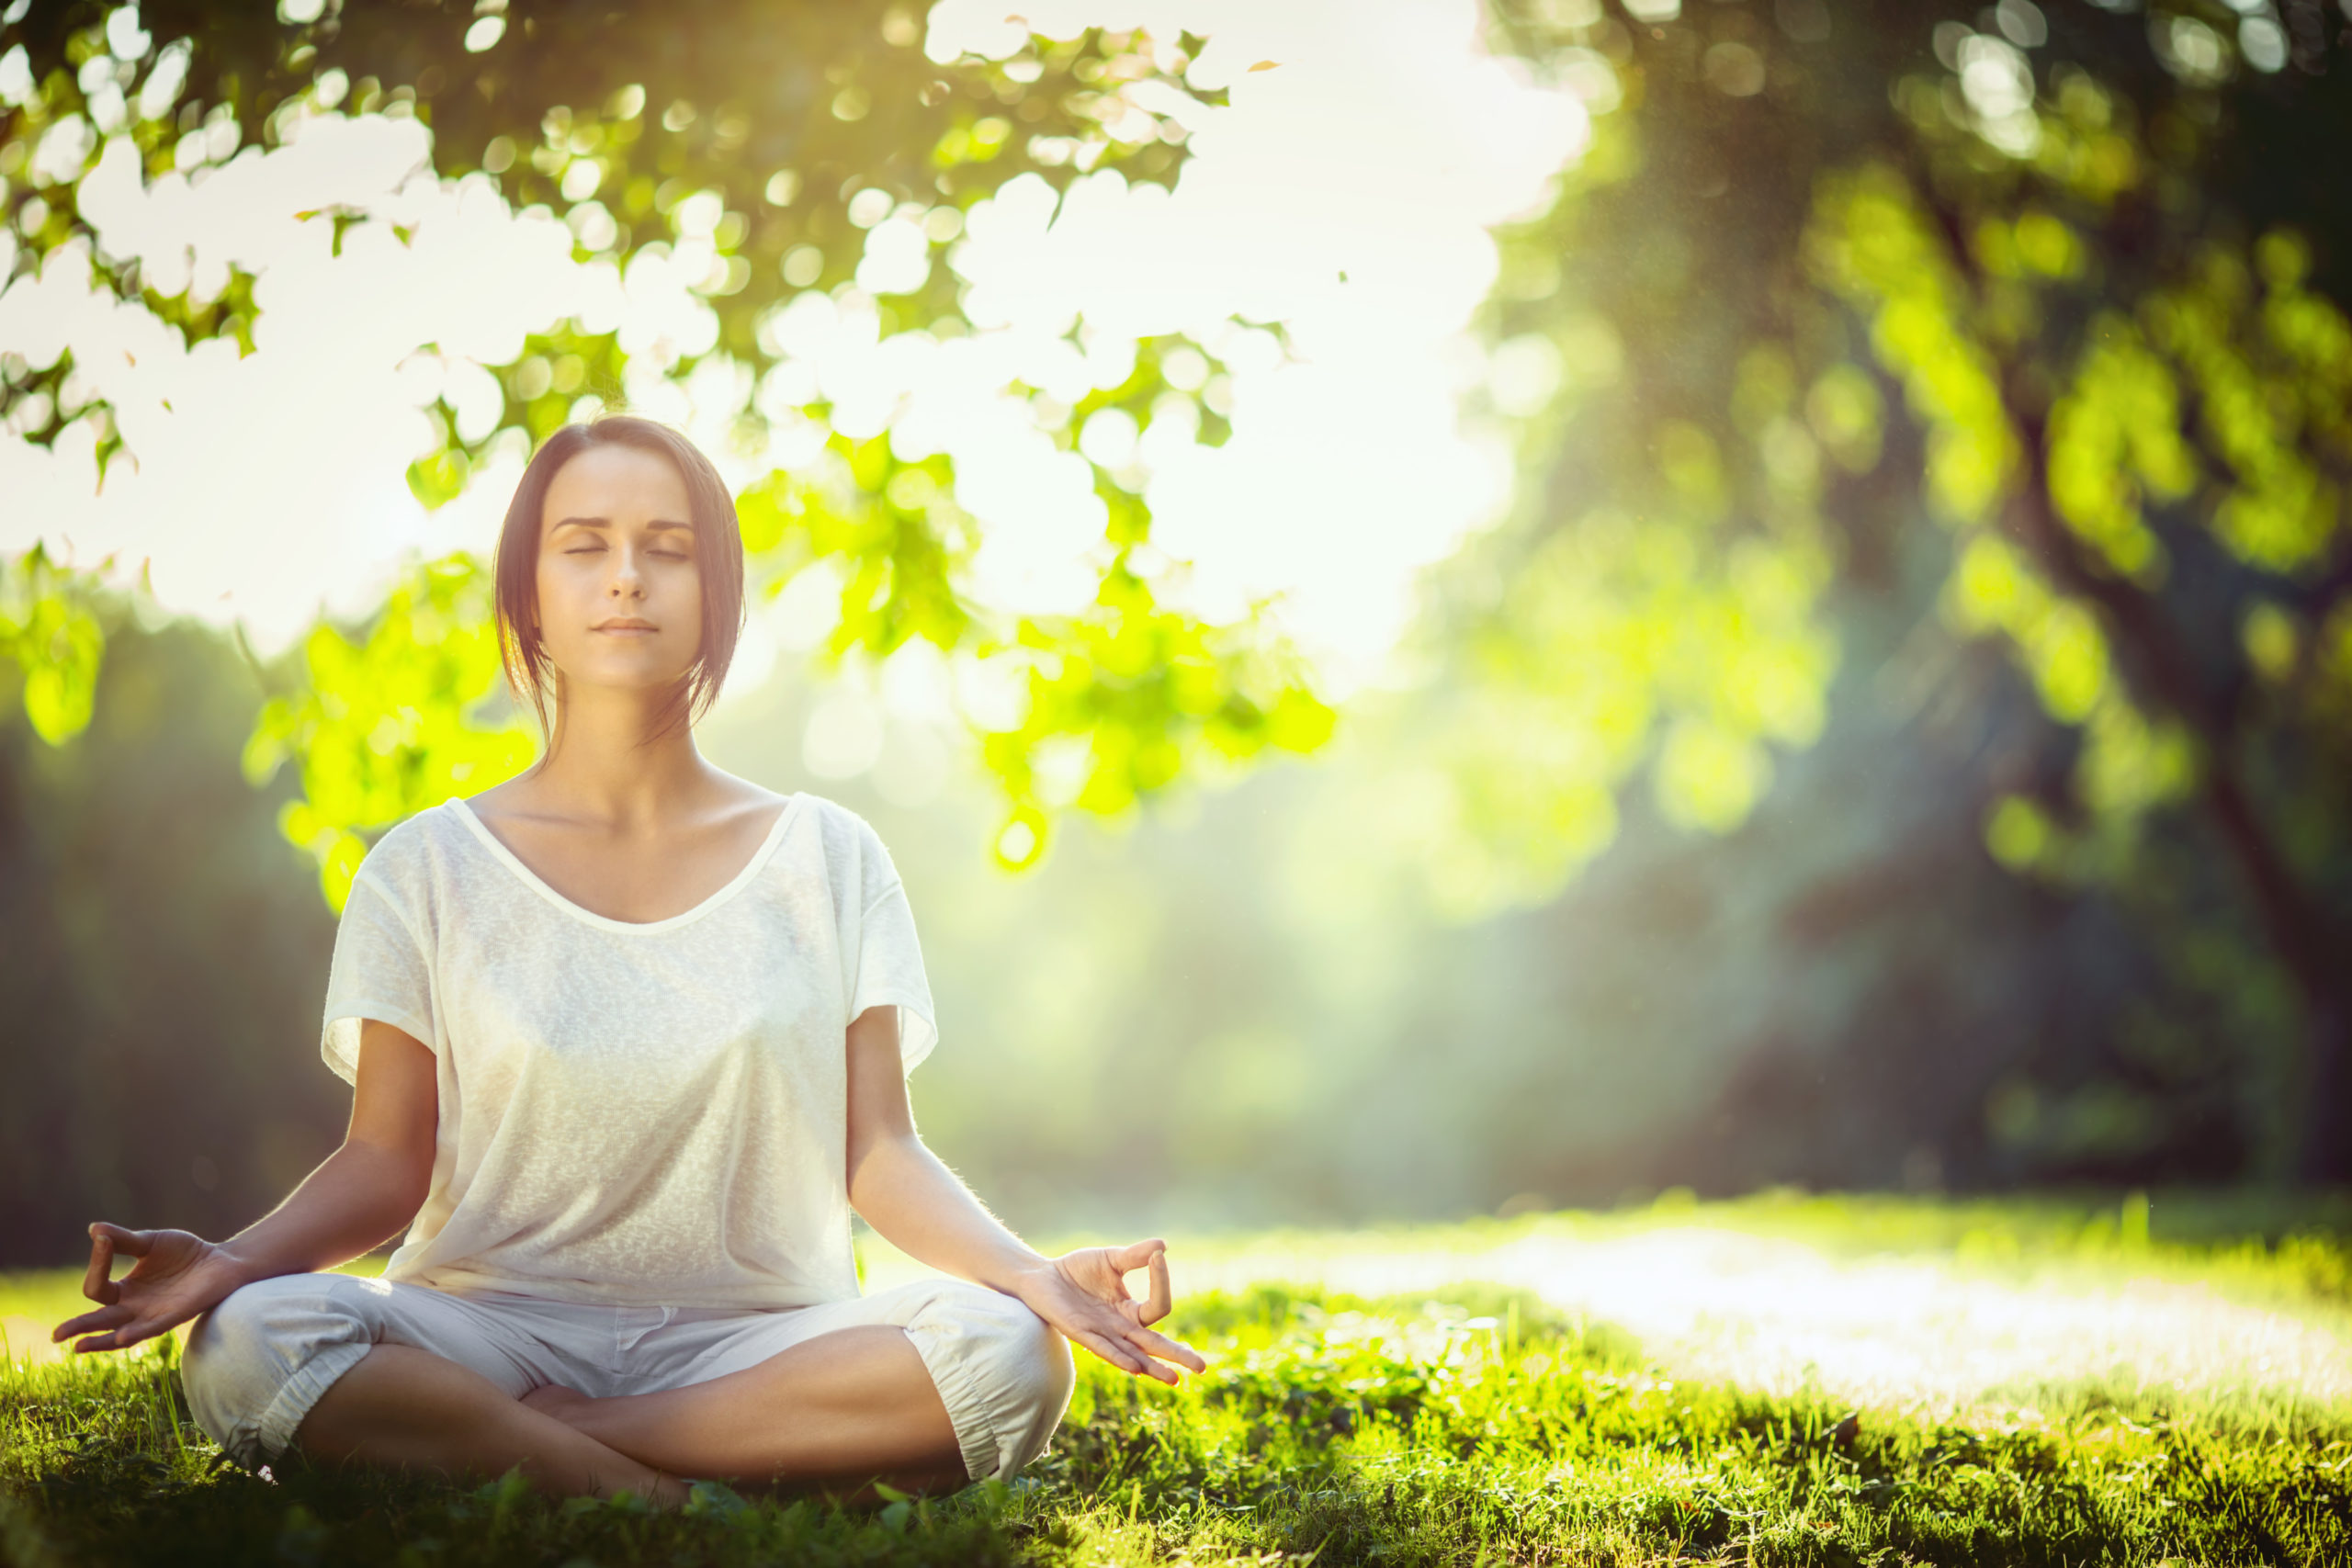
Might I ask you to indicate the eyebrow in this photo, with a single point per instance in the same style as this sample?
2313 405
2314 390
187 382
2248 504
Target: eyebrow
606 523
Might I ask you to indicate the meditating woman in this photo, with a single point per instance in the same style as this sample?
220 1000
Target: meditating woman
628 1039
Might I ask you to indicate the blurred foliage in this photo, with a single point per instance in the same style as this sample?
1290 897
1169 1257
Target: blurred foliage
2040 279
164 947
751 132
383 728
50 631
1145 692
785 149
1827 1002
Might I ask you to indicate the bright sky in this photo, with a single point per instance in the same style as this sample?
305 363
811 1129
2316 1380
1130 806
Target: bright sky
1382 146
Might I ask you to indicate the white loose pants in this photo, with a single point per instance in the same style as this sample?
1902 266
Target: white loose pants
258 1361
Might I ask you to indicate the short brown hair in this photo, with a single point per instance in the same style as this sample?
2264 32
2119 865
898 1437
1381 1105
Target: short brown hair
719 558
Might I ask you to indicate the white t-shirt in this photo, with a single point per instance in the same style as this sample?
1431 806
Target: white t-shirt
639 1114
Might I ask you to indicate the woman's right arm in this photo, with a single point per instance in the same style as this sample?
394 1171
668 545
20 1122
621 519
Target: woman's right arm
367 1190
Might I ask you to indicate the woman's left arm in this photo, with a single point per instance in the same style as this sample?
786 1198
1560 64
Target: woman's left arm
922 1208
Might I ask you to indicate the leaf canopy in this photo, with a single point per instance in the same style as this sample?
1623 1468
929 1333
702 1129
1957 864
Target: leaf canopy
778 148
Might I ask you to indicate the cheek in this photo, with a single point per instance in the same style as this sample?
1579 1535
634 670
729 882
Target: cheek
559 592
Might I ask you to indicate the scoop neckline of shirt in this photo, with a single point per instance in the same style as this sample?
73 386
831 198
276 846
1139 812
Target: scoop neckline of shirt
532 879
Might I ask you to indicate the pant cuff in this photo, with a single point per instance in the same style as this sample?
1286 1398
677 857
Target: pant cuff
958 1383
303 1390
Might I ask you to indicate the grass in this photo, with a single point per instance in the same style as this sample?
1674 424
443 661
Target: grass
1475 1422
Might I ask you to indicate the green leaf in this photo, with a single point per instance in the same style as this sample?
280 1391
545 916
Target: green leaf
48 627
715 1499
439 478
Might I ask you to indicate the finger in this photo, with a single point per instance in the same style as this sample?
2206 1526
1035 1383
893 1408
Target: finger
1146 1344
1133 1353
1158 1372
122 1338
1114 1353
129 1243
1161 1301
1118 1355
1154 1343
96 1285
1135 1254
89 1321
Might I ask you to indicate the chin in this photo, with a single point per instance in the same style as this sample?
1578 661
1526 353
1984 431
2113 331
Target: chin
630 674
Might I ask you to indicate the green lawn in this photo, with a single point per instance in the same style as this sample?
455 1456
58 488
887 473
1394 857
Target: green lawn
1802 1391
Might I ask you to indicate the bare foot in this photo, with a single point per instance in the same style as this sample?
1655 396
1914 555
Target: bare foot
554 1399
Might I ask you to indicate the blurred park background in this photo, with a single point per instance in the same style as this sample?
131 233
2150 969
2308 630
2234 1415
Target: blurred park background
1447 610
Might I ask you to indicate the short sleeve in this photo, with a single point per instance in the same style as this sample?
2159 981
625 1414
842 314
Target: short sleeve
888 962
379 970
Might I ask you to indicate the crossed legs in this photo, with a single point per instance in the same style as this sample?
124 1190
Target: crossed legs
832 1395
861 1404
407 1408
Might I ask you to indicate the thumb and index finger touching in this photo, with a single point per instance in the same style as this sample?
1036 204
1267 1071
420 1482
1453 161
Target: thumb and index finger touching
1159 1302
1151 1255
106 1240
1136 1254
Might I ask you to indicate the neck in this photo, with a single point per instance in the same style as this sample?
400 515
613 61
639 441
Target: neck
596 769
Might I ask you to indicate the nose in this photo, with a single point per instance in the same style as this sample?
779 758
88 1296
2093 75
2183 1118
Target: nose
628 582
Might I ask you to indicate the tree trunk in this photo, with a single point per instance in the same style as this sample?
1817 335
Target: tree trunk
2294 921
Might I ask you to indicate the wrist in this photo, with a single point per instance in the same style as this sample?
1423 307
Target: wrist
1030 1272
240 1270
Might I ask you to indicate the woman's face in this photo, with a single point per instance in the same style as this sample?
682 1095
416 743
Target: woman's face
620 589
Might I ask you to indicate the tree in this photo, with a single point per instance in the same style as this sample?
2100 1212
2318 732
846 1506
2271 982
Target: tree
784 146
2053 280
159 957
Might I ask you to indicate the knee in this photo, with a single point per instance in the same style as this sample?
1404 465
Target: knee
1033 1365
1023 1363
242 1352
236 1333
1004 1374
1025 1375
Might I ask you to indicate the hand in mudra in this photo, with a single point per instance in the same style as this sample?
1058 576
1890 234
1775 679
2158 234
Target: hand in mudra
178 1274
1084 1295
